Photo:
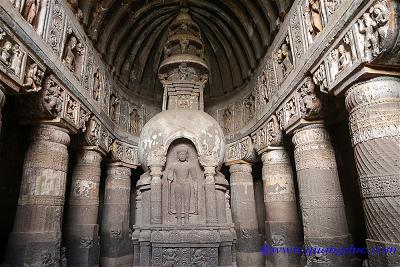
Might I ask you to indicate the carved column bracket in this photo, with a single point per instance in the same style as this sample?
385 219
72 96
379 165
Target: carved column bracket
55 105
124 154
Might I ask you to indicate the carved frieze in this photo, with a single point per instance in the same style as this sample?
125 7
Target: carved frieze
124 153
241 150
13 55
56 26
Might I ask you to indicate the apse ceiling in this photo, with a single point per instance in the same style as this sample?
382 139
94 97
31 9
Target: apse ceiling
130 35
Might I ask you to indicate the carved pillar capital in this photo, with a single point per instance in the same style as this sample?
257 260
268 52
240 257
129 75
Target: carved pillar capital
240 167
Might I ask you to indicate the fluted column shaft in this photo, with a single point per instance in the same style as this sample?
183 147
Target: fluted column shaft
321 199
82 237
116 245
36 236
249 240
282 225
374 108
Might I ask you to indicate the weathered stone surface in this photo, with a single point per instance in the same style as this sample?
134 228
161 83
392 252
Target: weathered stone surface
321 200
36 236
116 244
249 240
81 226
283 228
375 133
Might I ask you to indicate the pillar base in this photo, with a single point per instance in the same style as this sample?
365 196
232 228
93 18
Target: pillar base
33 249
328 259
83 246
123 261
383 259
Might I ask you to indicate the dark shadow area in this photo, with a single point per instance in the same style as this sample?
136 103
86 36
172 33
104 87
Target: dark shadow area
14 142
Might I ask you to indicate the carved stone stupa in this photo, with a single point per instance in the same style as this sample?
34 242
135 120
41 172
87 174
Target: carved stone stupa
182 196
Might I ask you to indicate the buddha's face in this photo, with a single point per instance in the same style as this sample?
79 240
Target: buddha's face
182 155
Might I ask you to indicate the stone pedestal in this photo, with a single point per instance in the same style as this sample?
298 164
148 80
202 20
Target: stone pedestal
282 225
321 200
116 245
374 108
2 103
249 240
81 236
36 236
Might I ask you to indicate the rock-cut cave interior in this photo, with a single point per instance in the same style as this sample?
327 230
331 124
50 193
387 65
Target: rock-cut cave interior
200 133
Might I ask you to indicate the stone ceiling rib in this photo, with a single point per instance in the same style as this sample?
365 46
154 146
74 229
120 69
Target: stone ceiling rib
129 33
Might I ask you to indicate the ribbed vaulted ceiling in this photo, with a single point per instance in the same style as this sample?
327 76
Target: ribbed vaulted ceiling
130 34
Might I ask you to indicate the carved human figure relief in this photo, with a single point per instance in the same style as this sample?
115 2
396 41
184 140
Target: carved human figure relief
16 59
372 28
310 104
344 57
31 10
134 119
313 18
72 51
5 52
284 58
69 54
33 78
227 118
96 86
114 105
52 99
181 176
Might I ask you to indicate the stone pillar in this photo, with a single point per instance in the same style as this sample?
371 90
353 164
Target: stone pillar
282 225
155 194
36 236
116 245
81 236
2 103
374 108
321 200
249 240
210 195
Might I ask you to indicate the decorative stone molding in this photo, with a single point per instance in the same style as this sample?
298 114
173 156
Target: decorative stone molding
241 150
